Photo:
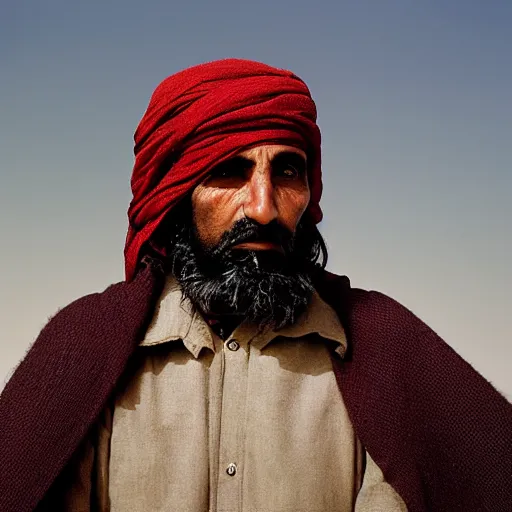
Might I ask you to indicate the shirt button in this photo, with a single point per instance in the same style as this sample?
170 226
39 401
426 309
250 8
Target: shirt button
233 345
231 469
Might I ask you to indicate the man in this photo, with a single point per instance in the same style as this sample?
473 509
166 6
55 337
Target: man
230 371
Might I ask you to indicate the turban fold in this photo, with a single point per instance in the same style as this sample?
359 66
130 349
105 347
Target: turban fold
203 116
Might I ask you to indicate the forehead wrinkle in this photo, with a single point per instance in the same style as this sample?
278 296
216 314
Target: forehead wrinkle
272 150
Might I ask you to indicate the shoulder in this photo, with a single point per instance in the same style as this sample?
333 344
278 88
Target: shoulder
372 315
85 308
119 302
339 293
91 328
98 321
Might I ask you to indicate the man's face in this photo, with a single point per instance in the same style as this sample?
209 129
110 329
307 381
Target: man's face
247 252
266 184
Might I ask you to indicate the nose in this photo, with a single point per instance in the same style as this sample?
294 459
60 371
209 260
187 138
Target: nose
260 205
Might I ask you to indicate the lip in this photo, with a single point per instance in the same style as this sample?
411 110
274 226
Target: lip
259 246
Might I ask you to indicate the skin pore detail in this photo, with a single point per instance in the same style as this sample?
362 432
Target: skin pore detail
266 184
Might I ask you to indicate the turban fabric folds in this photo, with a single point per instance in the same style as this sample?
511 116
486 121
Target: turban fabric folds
204 115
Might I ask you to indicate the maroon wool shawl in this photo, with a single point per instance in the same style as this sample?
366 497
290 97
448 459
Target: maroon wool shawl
438 430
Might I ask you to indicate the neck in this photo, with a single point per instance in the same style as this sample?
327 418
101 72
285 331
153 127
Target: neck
222 325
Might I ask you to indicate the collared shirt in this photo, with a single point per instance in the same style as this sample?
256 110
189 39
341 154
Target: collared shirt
255 423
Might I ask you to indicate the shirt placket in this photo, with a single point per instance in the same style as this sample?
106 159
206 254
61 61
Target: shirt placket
232 425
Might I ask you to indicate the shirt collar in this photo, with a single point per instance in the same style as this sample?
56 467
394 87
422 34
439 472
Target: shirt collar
176 318
319 318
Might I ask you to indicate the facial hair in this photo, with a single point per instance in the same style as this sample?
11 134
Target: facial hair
265 287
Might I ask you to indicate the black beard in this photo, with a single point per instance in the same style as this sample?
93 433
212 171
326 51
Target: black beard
267 288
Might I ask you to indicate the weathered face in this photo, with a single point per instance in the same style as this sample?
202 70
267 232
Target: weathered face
265 184
249 253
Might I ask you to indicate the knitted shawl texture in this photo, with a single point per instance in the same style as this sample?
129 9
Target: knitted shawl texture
438 430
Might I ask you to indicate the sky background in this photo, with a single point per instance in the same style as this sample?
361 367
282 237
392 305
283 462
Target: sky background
414 101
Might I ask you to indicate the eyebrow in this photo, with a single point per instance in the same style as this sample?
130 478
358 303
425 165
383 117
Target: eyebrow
240 162
291 157
282 157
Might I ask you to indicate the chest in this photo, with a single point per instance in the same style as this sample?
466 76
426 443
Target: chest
242 429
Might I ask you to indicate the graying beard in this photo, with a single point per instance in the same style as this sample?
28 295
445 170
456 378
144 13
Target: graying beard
265 298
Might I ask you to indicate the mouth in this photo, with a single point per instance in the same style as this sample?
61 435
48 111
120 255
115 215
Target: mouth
260 246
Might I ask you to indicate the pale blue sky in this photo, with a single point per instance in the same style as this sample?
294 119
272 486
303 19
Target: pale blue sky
415 110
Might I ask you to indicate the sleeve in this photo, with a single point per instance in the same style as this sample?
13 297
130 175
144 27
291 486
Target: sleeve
376 495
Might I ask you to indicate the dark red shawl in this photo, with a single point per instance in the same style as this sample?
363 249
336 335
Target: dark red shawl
438 430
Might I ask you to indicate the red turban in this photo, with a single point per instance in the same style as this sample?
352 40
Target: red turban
204 115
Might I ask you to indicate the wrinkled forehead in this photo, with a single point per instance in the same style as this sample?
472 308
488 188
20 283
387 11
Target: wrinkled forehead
269 151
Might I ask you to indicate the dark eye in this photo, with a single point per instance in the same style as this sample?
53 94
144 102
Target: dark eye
289 165
289 171
231 169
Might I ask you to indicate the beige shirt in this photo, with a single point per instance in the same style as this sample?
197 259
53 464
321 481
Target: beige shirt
255 423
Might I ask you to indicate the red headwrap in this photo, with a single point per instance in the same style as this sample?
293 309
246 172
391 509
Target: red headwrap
204 115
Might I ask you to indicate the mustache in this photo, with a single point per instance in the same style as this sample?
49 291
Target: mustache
247 230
